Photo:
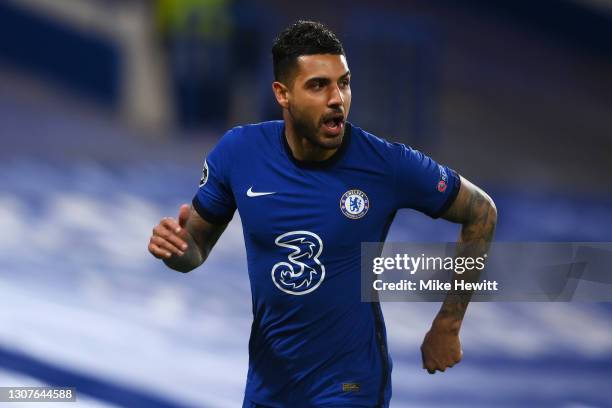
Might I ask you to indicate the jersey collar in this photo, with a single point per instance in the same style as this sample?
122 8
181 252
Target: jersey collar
319 164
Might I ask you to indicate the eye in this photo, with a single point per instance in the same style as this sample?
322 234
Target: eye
317 85
345 83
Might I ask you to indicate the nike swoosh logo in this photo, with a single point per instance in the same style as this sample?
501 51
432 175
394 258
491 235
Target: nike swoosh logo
252 193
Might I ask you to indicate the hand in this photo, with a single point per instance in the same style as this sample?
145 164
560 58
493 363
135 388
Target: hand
170 236
441 348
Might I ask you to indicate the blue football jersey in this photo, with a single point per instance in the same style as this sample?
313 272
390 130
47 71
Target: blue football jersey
313 342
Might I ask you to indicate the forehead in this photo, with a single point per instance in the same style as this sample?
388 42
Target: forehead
321 65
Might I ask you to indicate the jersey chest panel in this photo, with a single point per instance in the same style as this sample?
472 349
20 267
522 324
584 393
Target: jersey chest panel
342 207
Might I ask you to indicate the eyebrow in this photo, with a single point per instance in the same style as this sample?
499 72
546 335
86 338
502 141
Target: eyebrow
326 79
346 74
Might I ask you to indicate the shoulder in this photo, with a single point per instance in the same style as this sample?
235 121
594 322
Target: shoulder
254 130
243 137
394 158
368 142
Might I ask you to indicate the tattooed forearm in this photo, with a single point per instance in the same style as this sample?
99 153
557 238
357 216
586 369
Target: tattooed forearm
475 210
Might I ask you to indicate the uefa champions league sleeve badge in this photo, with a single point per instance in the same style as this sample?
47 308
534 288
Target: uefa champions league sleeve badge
204 177
354 204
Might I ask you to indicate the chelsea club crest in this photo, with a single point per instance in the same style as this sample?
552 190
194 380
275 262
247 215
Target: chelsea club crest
354 204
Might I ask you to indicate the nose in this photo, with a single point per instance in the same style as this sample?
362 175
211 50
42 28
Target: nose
335 98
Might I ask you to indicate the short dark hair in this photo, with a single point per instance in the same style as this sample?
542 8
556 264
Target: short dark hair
302 38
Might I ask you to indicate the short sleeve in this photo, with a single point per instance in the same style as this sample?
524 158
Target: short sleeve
214 200
422 183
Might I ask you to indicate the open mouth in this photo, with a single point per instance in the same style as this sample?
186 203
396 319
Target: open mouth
333 124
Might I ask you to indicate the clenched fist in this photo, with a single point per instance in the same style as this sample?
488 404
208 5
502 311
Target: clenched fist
170 237
441 348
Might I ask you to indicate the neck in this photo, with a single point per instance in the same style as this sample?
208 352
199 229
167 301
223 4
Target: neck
302 148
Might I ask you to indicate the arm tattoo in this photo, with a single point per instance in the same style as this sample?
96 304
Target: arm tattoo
475 210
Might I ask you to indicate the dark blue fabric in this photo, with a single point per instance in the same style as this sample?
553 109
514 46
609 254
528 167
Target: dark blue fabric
313 342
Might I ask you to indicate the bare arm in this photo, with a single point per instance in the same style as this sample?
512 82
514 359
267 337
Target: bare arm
476 212
184 244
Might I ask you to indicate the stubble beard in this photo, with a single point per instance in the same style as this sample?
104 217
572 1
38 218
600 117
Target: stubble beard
304 128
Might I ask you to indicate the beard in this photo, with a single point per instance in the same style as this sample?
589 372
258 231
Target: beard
306 128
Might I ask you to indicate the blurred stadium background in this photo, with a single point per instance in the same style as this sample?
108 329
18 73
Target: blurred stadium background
107 108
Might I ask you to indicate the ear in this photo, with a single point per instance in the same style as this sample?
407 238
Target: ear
281 93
